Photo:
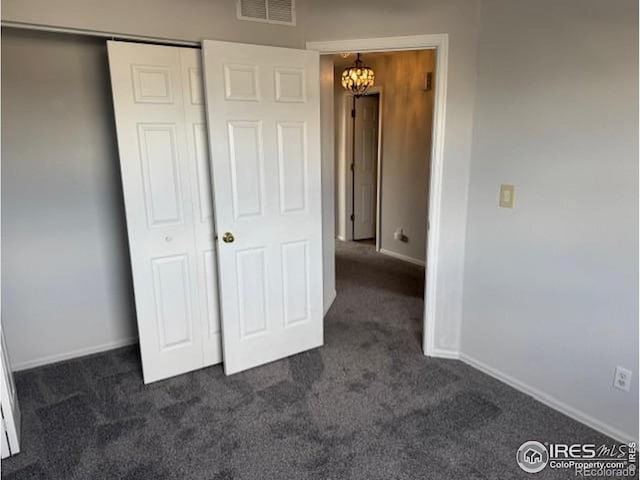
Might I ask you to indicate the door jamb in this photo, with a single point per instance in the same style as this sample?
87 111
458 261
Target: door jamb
440 43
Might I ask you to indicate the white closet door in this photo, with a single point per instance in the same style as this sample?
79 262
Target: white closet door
263 115
158 102
10 440
204 232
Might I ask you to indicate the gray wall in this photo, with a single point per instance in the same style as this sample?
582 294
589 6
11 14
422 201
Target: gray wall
180 20
339 20
551 287
66 286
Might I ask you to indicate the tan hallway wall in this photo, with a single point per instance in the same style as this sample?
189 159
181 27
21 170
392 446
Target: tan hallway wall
407 114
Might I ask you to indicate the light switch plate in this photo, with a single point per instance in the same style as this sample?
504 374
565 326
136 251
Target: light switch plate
506 195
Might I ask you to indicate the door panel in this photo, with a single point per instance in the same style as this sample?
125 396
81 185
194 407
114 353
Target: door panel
263 107
160 123
160 173
365 167
203 227
252 291
172 293
295 268
247 167
292 166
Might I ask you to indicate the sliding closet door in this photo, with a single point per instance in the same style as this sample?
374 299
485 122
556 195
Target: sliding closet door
162 140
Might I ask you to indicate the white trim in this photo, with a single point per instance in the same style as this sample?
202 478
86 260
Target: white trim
378 91
448 354
380 44
60 357
439 42
341 238
98 33
549 400
332 299
402 257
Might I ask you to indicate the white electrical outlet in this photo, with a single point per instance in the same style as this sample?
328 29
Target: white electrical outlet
400 236
622 380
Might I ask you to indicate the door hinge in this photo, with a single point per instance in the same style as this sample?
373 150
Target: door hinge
353 113
353 217
351 167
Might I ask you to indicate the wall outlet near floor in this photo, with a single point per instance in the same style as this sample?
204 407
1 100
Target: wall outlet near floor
622 379
400 236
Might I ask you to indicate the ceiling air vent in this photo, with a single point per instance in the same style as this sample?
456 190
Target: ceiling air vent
282 12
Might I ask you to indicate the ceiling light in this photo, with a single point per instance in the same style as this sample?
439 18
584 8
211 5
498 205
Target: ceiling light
358 78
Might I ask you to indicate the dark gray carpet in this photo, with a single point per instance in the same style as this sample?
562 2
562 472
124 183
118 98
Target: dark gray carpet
368 405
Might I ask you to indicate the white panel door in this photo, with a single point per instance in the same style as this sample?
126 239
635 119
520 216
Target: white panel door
263 116
9 406
162 140
365 161
204 232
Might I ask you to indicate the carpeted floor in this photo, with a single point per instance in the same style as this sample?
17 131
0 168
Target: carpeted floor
368 405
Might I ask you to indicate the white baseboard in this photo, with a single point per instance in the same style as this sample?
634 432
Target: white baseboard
448 354
549 401
399 256
332 298
59 357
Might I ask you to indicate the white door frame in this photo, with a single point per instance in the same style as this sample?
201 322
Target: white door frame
440 43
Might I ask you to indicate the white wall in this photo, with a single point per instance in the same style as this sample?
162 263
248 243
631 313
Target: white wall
66 286
551 287
407 113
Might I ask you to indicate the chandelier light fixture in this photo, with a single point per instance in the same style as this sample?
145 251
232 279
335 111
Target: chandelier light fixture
358 78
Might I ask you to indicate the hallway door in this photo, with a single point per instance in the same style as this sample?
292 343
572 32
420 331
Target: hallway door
365 162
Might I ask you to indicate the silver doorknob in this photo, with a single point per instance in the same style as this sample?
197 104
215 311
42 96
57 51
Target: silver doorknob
228 237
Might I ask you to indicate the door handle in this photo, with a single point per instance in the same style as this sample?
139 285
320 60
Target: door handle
228 237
